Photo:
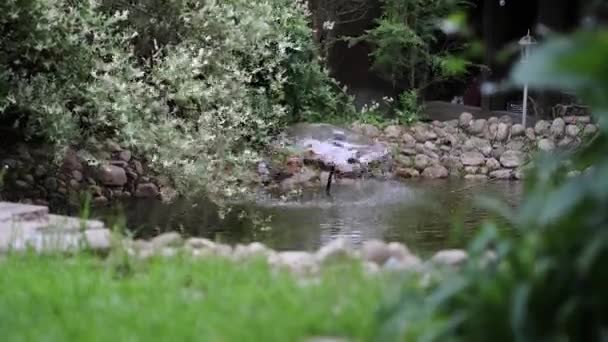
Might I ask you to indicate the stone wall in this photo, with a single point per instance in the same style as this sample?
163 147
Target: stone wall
107 172
476 148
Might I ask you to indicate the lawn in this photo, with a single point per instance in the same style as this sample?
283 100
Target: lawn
86 298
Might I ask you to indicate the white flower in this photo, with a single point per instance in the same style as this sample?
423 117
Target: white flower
329 25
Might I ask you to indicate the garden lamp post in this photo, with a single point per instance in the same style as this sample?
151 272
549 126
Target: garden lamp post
526 44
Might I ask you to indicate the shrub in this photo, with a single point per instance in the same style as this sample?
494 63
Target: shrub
196 86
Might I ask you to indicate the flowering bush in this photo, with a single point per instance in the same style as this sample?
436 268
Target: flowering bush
196 86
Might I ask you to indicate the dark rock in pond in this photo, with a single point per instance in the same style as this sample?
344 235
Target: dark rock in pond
146 190
111 175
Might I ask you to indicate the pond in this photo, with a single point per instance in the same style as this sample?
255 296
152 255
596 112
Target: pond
425 215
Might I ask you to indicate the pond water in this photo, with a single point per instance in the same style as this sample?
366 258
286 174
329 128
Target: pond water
425 215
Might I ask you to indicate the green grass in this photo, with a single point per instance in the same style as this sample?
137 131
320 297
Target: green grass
85 298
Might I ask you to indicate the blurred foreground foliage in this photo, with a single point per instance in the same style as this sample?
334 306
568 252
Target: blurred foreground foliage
549 282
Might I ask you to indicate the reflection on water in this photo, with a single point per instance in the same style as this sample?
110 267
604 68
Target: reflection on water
420 213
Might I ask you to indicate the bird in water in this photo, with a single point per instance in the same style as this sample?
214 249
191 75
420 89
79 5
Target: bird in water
332 170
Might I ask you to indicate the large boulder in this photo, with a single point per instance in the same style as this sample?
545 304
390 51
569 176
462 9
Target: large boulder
478 144
542 128
512 159
465 119
435 171
422 161
111 175
393 132
572 131
502 132
478 126
472 158
518 130
558 127
423 133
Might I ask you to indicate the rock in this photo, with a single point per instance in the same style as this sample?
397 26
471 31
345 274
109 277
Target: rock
497 151
422 133
452 163
542 128
502 132
572 131
506 119
200 243
40 171
408 151
71 161
566 142
408 139
138 167
51 184
338 249
546 145
370 130
589 130
465 119
478 144
393 132
111 175
21 185
478 126
404 161
98 239
492 164
530 134
435 172
29 179
492 131
407 173
558 127
472 159
450 257
501 174
300 263
511 159
112 146
146 190
77 175
253 250
429 145
375 251
125 155
170 239
421 162
471 170
517 130
516 145
100 201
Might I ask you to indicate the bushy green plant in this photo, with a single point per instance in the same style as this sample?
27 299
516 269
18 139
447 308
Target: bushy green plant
195 86
404 41
409 109
548 282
